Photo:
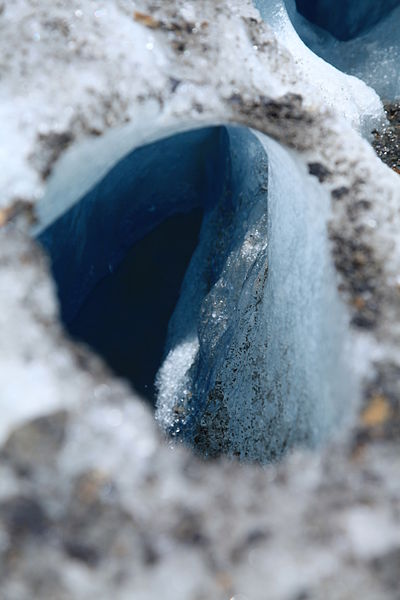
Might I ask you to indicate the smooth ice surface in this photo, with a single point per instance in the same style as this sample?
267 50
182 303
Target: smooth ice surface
256 356
372 56
119 254
90 240
343 18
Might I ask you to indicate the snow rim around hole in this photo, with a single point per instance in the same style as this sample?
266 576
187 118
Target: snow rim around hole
235 437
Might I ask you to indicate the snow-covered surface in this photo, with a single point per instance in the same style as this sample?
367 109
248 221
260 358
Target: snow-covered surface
93 503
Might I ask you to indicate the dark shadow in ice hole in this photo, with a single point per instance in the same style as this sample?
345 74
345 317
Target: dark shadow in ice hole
125 317
119 254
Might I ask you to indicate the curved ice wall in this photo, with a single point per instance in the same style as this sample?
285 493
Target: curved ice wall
255 357
119 253
256 352
91 238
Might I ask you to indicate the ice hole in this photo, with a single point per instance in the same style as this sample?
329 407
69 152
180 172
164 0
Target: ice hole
204 256
125 317
358 37
119 254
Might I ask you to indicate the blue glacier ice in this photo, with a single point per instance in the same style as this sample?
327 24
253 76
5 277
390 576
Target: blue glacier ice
345 19
91 238
119 254
254 359
256 348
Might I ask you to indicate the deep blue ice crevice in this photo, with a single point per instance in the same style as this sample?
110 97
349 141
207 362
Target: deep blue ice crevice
154 182
256 356
119 253
346 19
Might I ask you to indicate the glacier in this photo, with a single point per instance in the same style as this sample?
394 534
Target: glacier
344 94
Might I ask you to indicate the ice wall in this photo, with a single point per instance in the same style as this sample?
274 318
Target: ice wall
125 316
256 358
90 239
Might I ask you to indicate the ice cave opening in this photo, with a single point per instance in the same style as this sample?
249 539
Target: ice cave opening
204 256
